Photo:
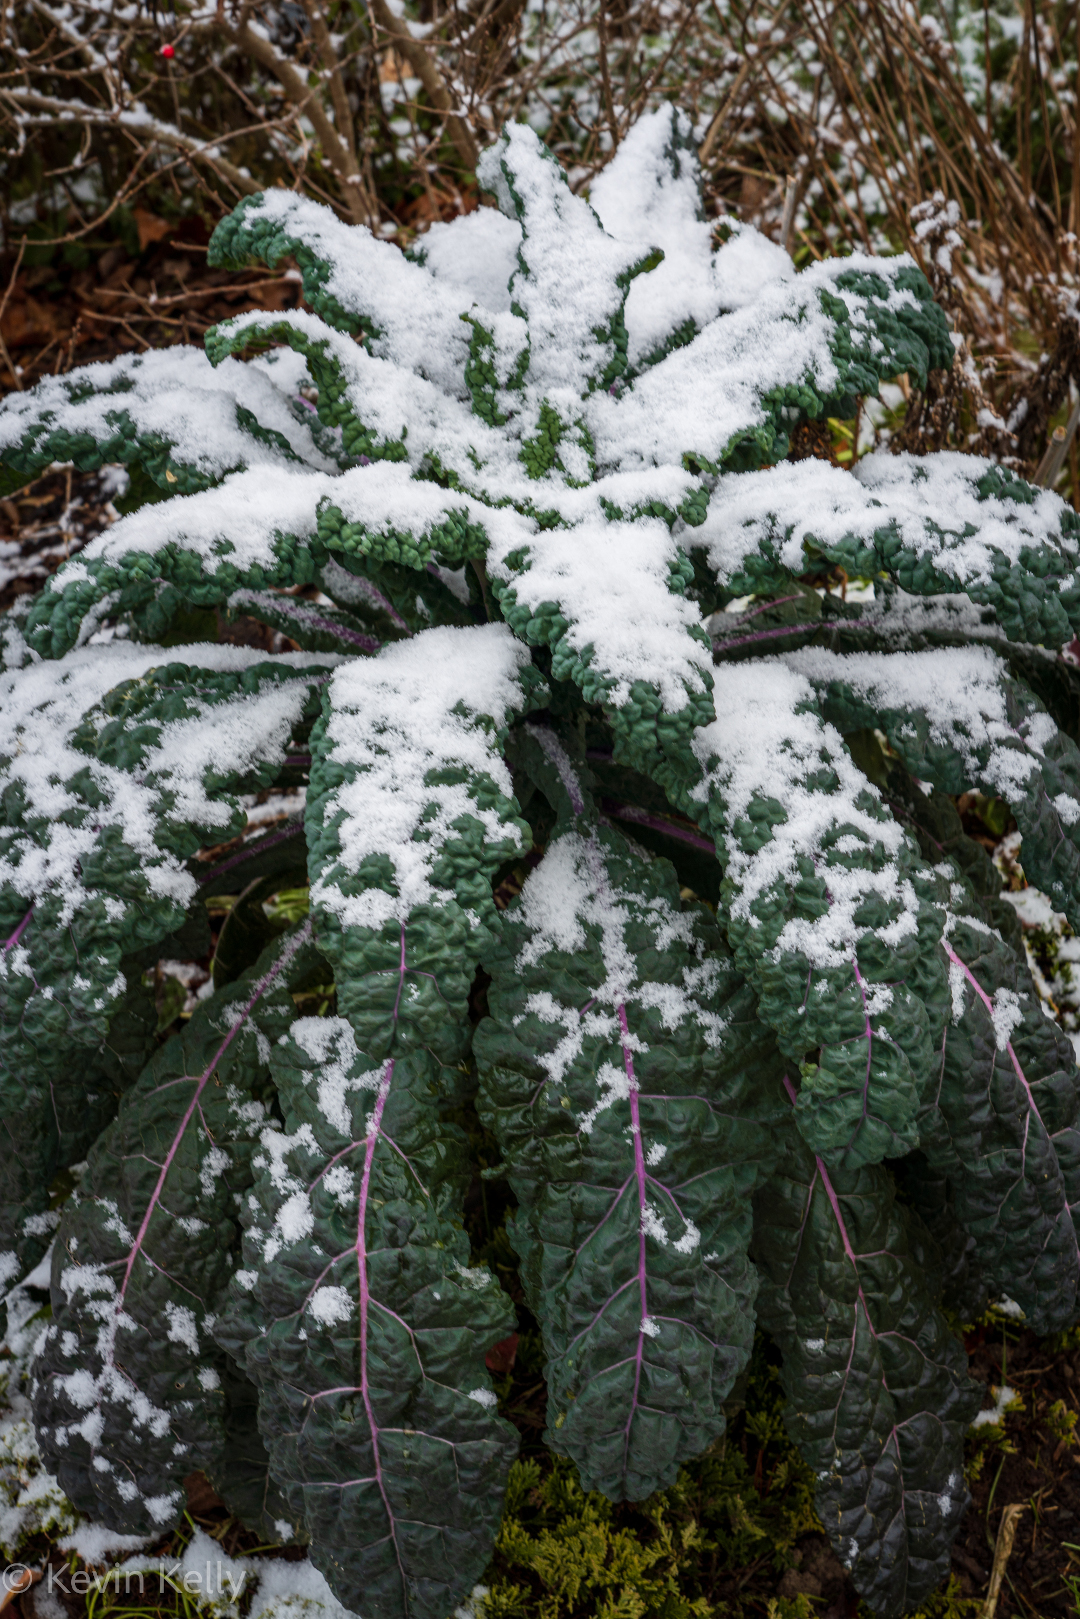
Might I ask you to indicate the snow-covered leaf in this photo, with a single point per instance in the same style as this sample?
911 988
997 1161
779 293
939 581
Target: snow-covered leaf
958 720
359 285
570 287
935 524
116 763
128 1398
248 531
805 346
878 1394
410 813
169 411
651 191
510 470
635 1096
365 1327
820 911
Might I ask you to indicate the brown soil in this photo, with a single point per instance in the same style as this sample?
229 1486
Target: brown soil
1037 1465
52 319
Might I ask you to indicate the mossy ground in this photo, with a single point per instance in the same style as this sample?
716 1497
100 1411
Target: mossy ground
720 1541
736 1537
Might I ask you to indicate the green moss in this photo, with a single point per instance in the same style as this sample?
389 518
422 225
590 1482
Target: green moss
715 1543
949 1603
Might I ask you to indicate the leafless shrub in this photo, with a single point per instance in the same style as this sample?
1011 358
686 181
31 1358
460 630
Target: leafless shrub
832 126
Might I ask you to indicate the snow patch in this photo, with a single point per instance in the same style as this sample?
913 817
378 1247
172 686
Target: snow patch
397 723
995 1414
330 1305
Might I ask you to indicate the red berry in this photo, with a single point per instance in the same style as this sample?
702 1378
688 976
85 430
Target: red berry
168 50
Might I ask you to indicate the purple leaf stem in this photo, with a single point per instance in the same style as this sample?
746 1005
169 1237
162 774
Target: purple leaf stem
639 1175
834 1203
561 760
366 643
10 943
249 853
765 635
849 1253
376 598
315 620
312 616
656 823
257 993
374 1130
374 1133
762 607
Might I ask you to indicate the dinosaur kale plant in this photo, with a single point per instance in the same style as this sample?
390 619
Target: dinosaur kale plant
618 827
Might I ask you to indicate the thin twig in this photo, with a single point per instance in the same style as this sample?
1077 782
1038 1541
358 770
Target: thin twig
77 112
15 377
423 65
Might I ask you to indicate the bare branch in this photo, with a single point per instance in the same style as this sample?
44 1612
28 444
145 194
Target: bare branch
137 121
254 42
423 65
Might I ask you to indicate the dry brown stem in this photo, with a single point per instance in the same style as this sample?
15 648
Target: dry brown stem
423 65
1006 1535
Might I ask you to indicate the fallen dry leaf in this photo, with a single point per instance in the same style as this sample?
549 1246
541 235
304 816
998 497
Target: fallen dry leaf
15 1583
150 227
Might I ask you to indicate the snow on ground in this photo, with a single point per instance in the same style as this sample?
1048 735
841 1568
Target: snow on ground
30 1498
31 1502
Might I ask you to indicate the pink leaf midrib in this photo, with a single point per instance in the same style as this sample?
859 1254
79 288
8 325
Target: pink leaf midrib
1033 1106
9 944
364 1290
258 992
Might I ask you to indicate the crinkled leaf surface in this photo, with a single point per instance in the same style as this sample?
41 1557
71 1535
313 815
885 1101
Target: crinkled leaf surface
877 1386
635 1096
51 1124
1002 1124
410 813
821 912
241 1471
249 530
935 524
959 719
168 411
115 764
359 1317
353 281
128 1397
513 456
998 1120
651 190
953 1250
